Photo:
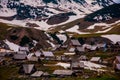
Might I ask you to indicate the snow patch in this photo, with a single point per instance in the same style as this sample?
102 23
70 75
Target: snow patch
105 30
62 37
98 24
53 45
114 38
92 66
5 12
75 29
65 65
12 45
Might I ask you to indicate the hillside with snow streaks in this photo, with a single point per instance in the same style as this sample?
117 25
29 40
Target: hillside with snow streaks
76 6
39 12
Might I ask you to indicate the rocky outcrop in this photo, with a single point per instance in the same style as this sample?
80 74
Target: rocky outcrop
59 18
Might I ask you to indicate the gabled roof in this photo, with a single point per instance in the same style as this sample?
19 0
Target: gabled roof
37 74
101 45
118 66
87 46
80 49
71 49
38 53
75 42
21 52
95 59
48 54
28 68
33 58
94 47
78 64
63 72
24 49
82 57
20 56
118 58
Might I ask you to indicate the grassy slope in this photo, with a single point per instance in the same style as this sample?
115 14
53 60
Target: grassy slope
7 72
3 30
66 26
114 30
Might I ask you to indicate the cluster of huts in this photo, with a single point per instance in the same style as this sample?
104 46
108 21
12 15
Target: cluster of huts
74 47
31 70
116 63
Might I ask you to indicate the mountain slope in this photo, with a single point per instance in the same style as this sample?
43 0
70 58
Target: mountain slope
104 17
40 8
104 14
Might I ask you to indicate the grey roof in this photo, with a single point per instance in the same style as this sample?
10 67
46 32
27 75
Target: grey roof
37 74
56 46
118 58
33 58
78 64
64 46
24 49
82 57
75 42
101 45
21 52
63 72
28 68
81 49
71 49
88 46
46 74
95 59
38 53
20 56
48 54
94 47
118 66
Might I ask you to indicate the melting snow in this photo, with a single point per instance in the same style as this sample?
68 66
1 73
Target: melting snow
98 24
75 29
65 65
5 12
92 66
12 45
114 38
105 30
53 45
14 22
62 37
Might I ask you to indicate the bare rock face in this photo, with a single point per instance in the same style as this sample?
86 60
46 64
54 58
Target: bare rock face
27 36
59 18
32 25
